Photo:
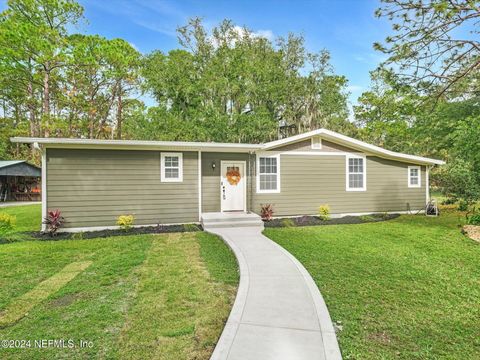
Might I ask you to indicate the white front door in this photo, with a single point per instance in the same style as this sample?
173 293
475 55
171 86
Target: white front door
233 186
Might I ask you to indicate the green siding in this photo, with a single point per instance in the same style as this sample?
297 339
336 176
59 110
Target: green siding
211 178
93 187
309 181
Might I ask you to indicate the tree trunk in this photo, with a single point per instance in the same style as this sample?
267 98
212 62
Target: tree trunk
46 101
31 110
119 115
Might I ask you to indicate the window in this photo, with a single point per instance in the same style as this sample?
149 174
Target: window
414 176
171 167
356 173
316 142
268 174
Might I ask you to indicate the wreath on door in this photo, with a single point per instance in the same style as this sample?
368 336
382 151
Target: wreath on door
233 176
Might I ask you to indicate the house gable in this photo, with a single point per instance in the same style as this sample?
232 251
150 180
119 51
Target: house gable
306 146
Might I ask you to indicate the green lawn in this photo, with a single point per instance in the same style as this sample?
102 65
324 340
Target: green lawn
134 297
403 289
28 218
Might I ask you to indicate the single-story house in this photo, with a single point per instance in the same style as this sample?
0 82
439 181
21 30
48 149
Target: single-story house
19 181
169 182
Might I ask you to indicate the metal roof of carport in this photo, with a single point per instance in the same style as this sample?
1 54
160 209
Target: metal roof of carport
18 168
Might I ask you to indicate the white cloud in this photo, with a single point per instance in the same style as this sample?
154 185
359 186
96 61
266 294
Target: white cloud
156 27
354 88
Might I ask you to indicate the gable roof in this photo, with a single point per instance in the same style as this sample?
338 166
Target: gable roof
18 168
369 149
354 144
6 163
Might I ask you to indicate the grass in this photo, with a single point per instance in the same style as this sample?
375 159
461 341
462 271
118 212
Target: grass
28 218
403 289
143 296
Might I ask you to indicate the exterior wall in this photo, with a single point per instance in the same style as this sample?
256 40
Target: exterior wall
306 145
94 187
211 178
308 181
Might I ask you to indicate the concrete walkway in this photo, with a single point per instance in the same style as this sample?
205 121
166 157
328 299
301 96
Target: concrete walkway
278 312
18 203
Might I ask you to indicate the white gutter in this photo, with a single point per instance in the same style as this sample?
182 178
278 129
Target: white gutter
227 147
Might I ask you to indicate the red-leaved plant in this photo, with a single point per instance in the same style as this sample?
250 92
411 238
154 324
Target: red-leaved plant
54 221
266 212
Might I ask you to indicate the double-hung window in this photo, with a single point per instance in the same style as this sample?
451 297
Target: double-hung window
356 173
171 167
268 174
414 177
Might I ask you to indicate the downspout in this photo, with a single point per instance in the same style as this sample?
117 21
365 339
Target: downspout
427 183
251 167
43 151
199 185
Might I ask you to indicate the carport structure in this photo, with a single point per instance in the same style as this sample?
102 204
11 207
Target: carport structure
19 181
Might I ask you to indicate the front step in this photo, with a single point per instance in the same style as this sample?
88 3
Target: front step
224 220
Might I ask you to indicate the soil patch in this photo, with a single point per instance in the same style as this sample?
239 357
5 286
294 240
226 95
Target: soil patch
472 231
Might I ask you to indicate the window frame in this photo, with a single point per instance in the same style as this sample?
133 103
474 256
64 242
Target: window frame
347 172
316 145
163 155
268 191
409 176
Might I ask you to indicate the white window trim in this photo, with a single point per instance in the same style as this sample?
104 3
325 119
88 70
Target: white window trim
316 146
277 190
347 182
162 167
409 178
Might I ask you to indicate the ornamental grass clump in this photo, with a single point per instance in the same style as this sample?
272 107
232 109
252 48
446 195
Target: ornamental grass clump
324 212
125 222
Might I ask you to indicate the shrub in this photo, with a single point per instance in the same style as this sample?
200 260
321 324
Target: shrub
190 227
7 223
125 222
267 212
324 212
367 218
77 236
449 201
474 219
288 223
462 206
54 221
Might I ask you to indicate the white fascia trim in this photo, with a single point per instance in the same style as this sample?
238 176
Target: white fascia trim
410 185
162 167
137 144
199 185
347 182
361 145
277 190
113 227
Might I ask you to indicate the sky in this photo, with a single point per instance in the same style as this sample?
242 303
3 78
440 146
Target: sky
347 28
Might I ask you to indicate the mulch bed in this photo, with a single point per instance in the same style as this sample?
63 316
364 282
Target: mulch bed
472 231
159 229
315 220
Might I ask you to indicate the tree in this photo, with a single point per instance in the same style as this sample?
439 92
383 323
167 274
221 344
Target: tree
434 42
233 78
32 38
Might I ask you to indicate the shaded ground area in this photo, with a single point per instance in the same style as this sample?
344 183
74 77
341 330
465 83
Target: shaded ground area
403 289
